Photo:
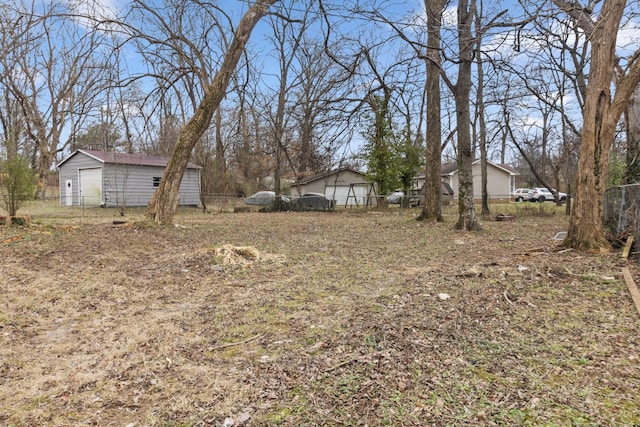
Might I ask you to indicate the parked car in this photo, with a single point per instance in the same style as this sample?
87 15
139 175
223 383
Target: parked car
264 198
543 194
395 197
311 201
520 194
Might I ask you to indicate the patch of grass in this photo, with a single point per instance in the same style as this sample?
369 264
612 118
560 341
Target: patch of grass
349 326
277 416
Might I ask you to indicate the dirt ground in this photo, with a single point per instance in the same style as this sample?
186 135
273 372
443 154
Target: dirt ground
305 319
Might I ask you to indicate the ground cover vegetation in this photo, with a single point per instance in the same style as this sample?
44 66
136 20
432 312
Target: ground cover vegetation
312 318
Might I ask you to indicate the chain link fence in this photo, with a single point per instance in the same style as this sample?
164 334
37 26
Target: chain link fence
622 211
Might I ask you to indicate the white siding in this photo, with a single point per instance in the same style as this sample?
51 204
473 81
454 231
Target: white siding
132 185
70 171
90 186
498 182
121 184
344 197
335 186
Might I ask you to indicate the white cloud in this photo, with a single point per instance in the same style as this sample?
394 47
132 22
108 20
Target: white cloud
450 17
628 38
417 17
93 11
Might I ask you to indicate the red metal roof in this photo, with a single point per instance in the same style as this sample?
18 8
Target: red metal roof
126 158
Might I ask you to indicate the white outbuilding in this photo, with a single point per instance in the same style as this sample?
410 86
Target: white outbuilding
99 178
345 186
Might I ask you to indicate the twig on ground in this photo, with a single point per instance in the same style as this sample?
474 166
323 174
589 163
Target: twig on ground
231 344
341 364
507 298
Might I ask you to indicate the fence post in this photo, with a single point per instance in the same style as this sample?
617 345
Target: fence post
623 197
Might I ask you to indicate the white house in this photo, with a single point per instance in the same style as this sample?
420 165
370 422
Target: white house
98 178
500 179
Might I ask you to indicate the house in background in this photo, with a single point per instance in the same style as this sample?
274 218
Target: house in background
500 179
348 187
98 178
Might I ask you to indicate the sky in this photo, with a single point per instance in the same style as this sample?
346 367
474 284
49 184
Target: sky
628 38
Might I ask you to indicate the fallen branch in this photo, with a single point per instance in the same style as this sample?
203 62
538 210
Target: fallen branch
633 288
219 347
534 251
341 364
502 217
565 251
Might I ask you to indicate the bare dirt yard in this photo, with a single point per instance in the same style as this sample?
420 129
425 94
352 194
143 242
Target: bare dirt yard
312 319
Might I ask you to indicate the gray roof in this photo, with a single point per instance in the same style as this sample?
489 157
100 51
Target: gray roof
452 167
126 159
326 174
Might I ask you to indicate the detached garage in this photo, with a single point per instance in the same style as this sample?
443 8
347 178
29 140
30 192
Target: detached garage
98 178
348 187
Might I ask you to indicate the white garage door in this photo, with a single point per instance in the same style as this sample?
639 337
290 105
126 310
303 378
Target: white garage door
342 196
90 186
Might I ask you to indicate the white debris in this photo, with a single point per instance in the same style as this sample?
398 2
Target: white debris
243 418
560 236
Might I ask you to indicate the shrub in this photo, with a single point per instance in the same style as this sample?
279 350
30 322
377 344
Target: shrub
18 183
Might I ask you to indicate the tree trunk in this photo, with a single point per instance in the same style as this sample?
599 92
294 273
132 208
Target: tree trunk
278 133
586 231
44 165
306 134
467 219
480 118
163 204
219 163
432 210
600 116
245 149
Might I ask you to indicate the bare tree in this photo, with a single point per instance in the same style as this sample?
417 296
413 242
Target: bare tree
411 110
289 30
164 202
56 76
480 117
11 118
429 108
461 90
248 139
13 128
317 109
433 188
601 114
13 135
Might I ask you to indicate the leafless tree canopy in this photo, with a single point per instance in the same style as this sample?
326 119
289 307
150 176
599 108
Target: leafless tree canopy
501 82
